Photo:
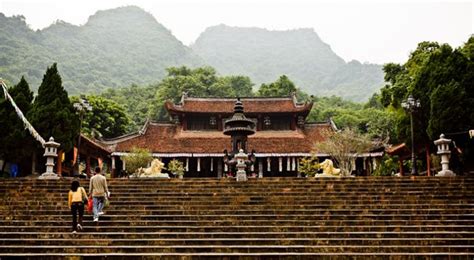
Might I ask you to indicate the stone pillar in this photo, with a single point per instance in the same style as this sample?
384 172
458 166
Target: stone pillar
212 164
199 164
186 167
260 168
293 164
269 162
288 164
50 152
280 164
443 150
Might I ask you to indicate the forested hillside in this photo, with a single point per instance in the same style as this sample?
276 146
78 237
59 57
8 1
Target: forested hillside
115 48
264 55
125 46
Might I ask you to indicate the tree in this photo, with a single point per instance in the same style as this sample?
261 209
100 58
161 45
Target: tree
282 87
138 102
241 85
52 113
107 118
199 82
15 139
442 79
344 146
138 158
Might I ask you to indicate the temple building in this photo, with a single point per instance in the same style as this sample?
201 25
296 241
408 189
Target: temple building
194 135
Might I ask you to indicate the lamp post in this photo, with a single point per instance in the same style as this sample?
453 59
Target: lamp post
410 105
82 106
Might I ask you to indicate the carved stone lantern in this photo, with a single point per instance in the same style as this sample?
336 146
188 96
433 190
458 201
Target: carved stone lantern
50 152
443 150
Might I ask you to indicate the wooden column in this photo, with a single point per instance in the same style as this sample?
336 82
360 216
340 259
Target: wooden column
219 169
112 166
88 165
59 165
400 164
428 160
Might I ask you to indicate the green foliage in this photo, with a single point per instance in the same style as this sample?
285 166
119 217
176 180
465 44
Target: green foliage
299 54
137 101
199 82
52 113
16 142
309 166
280 88
441 78
107 118
387 166
365 119
115 48
176 167
138 158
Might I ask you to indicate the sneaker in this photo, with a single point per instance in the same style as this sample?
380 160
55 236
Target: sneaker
101 213
74 232
96 219
79 227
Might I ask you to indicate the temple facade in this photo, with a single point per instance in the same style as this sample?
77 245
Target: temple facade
194 135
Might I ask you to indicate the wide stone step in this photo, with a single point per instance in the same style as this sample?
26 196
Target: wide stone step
327 212
248 207
283 235
364 216
247 228
239 249
248 203
79 240
66 220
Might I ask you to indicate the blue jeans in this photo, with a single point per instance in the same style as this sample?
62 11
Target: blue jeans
98 205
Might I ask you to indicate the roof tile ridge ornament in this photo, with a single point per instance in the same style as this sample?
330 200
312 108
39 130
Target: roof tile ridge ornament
145 127
293 97
333 125
183 97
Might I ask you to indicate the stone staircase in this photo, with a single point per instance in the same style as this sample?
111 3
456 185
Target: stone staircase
373 217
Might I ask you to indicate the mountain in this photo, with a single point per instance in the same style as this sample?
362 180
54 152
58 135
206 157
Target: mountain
126 45
114 48
300 54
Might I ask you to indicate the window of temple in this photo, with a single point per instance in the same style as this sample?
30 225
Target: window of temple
202 123
276 123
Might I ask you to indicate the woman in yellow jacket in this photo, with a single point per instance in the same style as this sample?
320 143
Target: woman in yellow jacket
76 204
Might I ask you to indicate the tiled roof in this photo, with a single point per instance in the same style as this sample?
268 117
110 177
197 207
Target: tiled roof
94 143
170 138
251 105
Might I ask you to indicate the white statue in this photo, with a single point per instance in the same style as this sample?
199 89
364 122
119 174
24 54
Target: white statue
153 171
328 169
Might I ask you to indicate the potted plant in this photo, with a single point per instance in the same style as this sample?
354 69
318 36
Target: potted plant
176 168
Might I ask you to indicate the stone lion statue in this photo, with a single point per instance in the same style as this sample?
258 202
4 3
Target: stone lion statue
153 171
328 168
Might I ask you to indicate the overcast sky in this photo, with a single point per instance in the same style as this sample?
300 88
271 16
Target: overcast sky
369 31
